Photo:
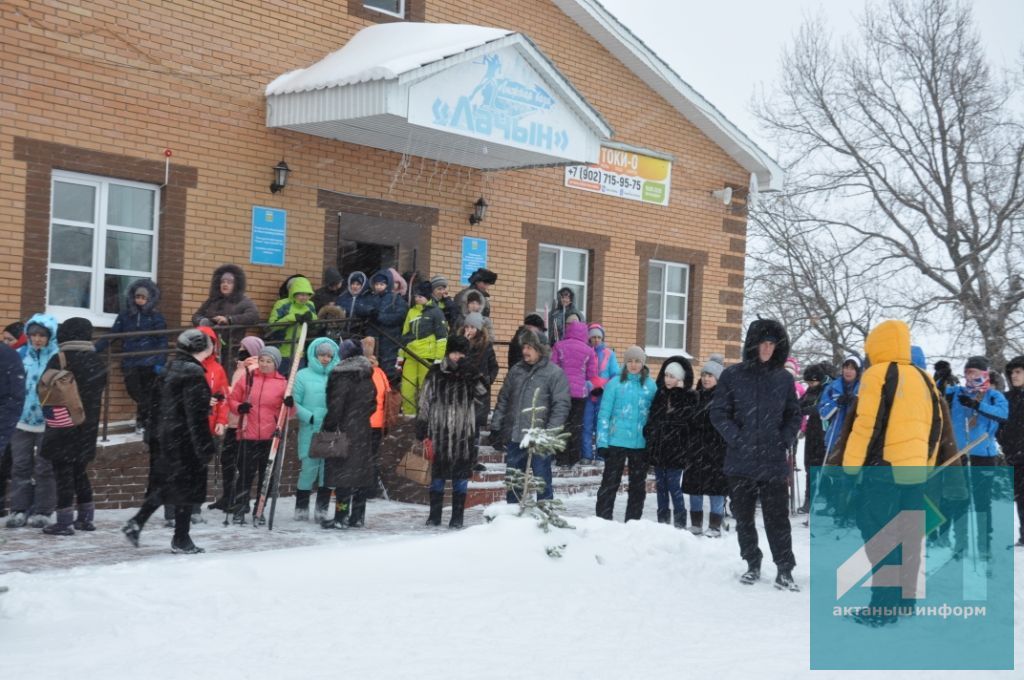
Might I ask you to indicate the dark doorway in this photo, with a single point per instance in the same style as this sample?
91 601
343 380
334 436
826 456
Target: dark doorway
368 243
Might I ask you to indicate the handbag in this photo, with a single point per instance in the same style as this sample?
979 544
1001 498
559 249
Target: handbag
414 466
329 445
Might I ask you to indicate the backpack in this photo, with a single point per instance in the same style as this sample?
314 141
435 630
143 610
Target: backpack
58 395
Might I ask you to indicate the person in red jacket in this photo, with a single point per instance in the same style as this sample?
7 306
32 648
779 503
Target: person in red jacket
258 404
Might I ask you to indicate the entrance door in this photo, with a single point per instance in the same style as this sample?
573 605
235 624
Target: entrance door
367 243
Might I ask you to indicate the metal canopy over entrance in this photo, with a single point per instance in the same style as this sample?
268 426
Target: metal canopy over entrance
480 97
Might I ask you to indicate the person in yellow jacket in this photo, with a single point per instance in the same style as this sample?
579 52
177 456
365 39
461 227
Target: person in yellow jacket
894 441
424 334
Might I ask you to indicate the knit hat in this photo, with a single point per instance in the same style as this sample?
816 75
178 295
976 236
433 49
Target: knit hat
596 331
674 370
350 349
943 367
535 320
714 365
438 281
852 359
474 319
15 329
815 373
76 328
530 339
424 289
636 353
252 344
1016 362
457 343
332 277
274 353
978 362
192 341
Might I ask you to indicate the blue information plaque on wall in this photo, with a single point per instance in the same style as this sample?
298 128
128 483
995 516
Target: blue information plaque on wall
474 256
269 226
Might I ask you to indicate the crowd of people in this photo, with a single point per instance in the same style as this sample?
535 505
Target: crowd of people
727 433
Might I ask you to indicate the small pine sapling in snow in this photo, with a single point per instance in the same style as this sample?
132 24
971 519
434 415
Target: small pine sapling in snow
544 442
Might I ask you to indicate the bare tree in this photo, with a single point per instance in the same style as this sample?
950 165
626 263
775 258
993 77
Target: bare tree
906 140
802 274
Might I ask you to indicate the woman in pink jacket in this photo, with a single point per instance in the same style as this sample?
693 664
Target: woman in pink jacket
579 362
257 402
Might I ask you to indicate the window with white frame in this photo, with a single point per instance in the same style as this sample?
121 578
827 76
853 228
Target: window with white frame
559 267
668 290
393 7
103 236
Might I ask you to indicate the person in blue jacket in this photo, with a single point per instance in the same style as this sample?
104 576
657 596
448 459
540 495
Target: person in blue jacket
977 412
386 309
620 435
140 372
607 369
836 399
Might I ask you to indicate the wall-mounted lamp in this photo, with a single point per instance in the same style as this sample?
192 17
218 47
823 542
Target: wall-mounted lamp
479 211
723 195
281 171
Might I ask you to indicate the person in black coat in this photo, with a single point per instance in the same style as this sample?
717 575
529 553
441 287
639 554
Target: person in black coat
704 475
666 434
756 411
351 400
817 376
1011 434
71 449
447 416
532 322
181 445
12 400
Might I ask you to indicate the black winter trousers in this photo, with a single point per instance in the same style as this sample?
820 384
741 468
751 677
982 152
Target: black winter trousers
615 458
228 462
139 381
774 495
1018 493
5 474
72 483
252 462
570 455
878 502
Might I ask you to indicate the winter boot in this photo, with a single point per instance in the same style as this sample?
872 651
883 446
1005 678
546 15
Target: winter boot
340 520
185 546
458 509
197 514
86 513
64 526
131 531
357 513
16 520
182 542
436 504
714 526
301 505
323 499
218 504
697 522
664 516
752 575
784 581
39 521
679 519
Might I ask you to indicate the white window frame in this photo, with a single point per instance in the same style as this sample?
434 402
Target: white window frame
98 270
659 349
400 13
560 281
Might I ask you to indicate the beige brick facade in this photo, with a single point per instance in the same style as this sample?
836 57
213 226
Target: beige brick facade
104 87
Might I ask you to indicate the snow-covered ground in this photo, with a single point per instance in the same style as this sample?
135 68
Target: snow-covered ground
399 600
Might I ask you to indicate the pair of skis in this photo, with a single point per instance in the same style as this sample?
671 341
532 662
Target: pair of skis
272 475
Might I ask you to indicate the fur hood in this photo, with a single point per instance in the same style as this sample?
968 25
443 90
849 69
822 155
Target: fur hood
151 288
238 293
761 330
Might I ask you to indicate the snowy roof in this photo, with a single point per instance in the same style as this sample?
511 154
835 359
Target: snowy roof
475 96
649 67
383 52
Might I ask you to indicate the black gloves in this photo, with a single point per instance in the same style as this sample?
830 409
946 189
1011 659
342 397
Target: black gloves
967 401
244 408
305 317
289 401
218 396
597 392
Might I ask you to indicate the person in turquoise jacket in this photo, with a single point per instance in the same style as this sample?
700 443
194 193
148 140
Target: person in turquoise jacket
295 309
977 411
310 394
620 434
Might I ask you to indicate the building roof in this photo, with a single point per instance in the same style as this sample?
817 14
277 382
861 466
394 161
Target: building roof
650 68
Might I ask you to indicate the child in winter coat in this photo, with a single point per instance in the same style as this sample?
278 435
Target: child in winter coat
576 357
1011 434
140 371
704 474
310 393
355 289
295 309
258 406
666 433
71 448
817 377
620 425
33 491
386 310
424 334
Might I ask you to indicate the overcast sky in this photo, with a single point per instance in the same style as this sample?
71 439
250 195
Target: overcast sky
728 50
